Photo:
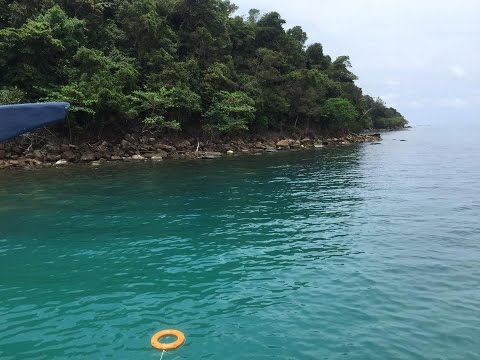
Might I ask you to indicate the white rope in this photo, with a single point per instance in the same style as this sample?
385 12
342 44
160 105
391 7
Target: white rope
163 352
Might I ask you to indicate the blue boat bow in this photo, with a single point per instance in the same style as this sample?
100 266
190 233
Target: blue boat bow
21 118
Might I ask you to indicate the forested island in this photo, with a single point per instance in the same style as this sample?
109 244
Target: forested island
166 67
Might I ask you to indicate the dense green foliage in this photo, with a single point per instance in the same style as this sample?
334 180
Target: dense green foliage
186 65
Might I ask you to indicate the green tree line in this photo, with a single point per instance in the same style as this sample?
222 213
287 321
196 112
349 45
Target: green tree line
177 65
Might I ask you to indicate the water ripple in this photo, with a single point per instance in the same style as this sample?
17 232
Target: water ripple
355 252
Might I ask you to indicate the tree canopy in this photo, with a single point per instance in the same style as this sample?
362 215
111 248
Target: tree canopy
177 65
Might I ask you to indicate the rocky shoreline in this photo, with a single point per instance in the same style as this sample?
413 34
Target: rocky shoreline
29 152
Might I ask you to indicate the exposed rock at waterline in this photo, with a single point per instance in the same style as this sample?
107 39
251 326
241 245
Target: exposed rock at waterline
22 152
210 155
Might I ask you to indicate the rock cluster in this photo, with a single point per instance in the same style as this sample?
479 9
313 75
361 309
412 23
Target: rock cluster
24 153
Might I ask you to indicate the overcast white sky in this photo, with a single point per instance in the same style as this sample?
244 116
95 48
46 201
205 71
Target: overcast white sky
420 56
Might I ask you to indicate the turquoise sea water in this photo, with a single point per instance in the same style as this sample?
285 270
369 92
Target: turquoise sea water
356 252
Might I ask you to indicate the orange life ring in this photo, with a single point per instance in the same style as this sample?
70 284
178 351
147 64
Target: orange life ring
170 346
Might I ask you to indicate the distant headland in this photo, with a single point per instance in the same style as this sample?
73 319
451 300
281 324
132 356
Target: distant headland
166 69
